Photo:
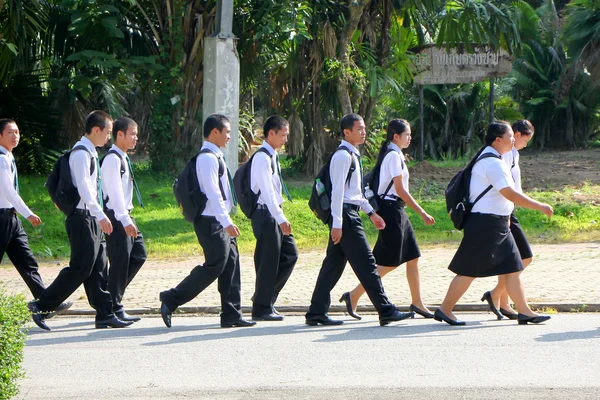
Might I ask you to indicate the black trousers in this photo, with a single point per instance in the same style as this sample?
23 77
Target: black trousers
87 266
222 262
14 242
274 259
126 256
354 248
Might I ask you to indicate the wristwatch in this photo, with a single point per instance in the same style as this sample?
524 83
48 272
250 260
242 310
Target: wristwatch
370 213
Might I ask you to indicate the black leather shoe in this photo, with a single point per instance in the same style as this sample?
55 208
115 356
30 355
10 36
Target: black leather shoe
508 314
37 316
422 313
440 316
165 313
395 316
274 311
524 319
62 307
240 323
323 320
123 316
112 322
346 298
487 296
268 317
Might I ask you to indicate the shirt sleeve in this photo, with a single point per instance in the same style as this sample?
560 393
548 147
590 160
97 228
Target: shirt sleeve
207 169
498 175
8 191
112 185
262 173
79 163
338 170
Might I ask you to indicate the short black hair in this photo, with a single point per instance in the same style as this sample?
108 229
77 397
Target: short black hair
214 121
523 126
495 130
274 122
98 119
121 124
4 122
347 122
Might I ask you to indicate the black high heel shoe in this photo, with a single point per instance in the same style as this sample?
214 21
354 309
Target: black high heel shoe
508 314
487 296
346 298
524 319
422 313
440 316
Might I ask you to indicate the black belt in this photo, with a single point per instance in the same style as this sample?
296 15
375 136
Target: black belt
351 206
502 217
79 211
7 211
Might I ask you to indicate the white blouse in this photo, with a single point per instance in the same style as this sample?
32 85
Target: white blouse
495 172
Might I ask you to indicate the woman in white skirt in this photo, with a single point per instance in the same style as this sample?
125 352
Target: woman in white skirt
498 298
488 247
396 244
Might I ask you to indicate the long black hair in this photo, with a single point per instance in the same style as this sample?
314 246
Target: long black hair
395 127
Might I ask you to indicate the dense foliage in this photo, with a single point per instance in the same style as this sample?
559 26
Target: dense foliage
13 317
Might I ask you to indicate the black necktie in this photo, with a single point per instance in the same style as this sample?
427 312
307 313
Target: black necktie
362 184
99 182
283 185
135 186
15 175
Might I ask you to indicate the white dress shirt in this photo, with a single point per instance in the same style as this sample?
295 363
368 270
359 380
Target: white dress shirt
9 197
207 168
512 160
118 188
392 166
495 172
342 193
80 163
267 181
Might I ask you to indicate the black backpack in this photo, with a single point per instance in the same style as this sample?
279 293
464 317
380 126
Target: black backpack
371 179
186 188
320 197
122 169
458 192
60 184
247 199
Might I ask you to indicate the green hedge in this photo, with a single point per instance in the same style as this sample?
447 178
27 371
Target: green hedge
13 317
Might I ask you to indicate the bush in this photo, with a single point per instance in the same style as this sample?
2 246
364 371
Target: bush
13 316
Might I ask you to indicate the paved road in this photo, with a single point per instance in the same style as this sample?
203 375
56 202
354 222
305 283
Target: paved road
411 359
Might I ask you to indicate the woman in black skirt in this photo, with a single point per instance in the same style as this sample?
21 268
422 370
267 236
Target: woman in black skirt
523 130
488 247
396 244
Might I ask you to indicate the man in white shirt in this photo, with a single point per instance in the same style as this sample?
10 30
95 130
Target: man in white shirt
13 239
216 234
85 228
348 240
125 245
276 253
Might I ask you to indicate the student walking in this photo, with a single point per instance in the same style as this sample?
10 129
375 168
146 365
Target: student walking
348 242
125 245
216 234
13 238
276 254
396 243
86 227
488 247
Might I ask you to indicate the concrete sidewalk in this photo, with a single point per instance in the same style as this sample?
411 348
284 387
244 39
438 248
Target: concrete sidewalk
564 276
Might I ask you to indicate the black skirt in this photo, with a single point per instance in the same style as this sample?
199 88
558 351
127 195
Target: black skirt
487 248
396 243
520 238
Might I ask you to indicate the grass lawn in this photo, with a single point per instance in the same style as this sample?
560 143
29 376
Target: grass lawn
167 234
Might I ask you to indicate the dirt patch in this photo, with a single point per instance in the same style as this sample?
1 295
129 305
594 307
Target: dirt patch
540 170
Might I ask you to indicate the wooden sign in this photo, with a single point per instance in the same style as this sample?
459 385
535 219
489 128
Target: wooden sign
440 66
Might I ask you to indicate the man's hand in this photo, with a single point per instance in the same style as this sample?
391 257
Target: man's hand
547 209
34 220
427 219
336 235
106 226
286 228
131 230
377 221
232 230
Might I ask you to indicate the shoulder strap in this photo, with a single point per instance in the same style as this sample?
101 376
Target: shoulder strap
112 151
389 186
221 165
82 147
487 189
352 166
263 150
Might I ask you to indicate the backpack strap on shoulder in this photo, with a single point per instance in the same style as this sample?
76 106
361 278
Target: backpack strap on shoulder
352 166
487 189
82 147
113 151
221 169
263 150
